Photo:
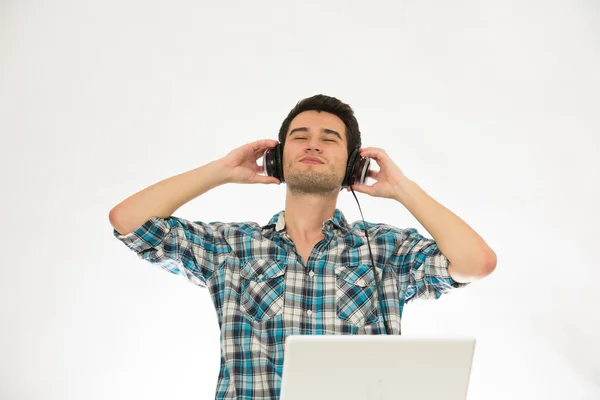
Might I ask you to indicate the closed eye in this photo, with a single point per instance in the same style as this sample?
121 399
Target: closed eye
303 138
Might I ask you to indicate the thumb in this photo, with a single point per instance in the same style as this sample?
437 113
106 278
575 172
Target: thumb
362 189
266 180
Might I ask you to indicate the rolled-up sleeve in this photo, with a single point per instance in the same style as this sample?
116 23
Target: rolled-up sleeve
179 246
423 269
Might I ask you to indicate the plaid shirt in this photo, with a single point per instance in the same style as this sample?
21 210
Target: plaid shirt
263 291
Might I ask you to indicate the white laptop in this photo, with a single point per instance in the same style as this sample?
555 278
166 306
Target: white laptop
376 367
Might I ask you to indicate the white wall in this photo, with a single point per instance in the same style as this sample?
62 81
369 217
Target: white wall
491 107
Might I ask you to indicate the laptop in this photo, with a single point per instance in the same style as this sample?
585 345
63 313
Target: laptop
376 367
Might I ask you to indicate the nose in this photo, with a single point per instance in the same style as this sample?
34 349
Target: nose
313 143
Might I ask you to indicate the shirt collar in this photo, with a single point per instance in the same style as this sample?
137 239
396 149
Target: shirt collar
337 222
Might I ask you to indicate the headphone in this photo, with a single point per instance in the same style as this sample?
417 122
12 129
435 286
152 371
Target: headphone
356 173
356 168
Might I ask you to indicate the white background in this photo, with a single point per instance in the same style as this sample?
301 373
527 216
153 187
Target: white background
491 107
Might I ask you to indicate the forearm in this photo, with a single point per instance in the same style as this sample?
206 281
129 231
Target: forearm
162 199
465 249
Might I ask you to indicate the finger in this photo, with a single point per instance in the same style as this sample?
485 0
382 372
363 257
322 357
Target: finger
259 169
362 189
261 149
373 152
262 145
372 149
373 174
269 180
259 152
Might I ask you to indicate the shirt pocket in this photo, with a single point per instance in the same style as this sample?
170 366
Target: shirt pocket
262 289
356 294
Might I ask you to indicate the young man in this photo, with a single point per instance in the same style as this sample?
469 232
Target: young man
307 271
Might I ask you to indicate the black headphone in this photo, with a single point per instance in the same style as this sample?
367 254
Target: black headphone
356 173
356 168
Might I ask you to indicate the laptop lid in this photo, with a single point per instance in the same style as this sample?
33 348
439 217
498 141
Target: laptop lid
376 367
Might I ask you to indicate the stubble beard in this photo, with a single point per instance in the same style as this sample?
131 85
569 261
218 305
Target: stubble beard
322 182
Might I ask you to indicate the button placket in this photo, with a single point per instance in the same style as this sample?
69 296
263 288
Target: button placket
311 275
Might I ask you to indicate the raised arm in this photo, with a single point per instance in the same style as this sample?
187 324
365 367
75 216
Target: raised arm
162 199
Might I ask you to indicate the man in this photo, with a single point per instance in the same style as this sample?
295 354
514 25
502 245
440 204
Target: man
307 271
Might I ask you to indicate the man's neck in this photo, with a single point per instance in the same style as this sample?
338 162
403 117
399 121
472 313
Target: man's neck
306 213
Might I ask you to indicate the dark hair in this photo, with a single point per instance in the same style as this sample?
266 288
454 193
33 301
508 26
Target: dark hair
321 102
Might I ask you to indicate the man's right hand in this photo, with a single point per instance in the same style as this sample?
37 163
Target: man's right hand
241 163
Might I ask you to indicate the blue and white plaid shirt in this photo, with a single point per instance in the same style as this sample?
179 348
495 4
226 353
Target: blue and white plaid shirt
263 292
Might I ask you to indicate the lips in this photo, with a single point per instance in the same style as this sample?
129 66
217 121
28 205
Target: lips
311 160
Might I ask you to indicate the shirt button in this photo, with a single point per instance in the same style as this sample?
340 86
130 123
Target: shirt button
260 276
311 274
309 312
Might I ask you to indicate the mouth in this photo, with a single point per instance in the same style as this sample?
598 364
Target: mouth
311 160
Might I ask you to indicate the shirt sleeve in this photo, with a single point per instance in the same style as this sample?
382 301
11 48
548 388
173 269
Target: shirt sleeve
423 268
179 246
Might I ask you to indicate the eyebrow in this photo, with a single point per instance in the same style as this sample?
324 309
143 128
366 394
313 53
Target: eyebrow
304 129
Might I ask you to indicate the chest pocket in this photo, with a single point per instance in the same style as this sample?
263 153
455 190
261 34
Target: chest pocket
356 294
262 288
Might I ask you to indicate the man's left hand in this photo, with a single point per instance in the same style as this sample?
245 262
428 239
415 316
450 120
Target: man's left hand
389 177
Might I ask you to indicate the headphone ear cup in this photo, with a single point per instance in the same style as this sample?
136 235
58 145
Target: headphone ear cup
351 168
272 165
362 170
279 162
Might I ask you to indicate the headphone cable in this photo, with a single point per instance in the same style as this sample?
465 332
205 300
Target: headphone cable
388 331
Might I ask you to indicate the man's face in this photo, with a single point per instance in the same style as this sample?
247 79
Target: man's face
320 135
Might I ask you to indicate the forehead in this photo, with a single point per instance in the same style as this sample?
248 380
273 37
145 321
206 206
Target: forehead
316 121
